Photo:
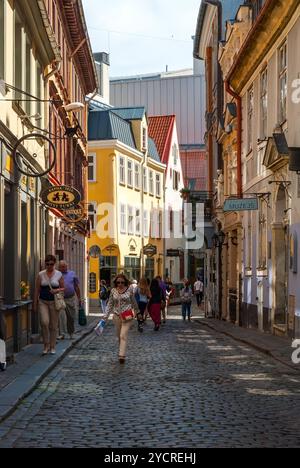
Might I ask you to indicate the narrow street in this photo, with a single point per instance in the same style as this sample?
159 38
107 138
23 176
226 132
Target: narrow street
186 386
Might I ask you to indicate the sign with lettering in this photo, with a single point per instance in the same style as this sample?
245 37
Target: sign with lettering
74 215
173 253
61 197
150 250
241 204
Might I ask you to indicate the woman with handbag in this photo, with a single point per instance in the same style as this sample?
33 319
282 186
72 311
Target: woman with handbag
49 299
123 305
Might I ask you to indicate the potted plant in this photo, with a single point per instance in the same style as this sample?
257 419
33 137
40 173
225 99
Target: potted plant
24 290
185 192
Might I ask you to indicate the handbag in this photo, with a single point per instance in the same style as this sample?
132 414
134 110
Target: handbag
59 300
127 315
82 320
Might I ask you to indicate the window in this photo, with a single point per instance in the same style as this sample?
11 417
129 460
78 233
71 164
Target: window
123 218
137 182
2 39
158 186
249 242
155 223
92 168
39 88
145 181
122 170
133 268
130 174
146 223
28 75
262 248
175 154
282 82
18 49
175 180
93 215
145 139
264 103
150 268
92 283
250 104
130 220
138 221
151 183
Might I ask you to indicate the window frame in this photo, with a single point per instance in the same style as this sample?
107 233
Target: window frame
145 179
122 170
282 77
250 114
130 169
158 185
137 176
151 182
123 218
130 220
94 167
264 79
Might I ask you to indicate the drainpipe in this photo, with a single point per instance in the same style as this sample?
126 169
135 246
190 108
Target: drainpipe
238 99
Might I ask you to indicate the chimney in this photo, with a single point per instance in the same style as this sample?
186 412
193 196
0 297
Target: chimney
102 66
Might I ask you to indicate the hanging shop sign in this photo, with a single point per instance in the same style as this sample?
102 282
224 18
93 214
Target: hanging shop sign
241 204
61 197
95 251
150 250
173 253
74 215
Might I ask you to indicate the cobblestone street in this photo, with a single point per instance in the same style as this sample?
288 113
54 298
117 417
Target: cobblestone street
186 386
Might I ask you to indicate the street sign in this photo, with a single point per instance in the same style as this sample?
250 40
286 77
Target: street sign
241 204
150 250
61 197
173 253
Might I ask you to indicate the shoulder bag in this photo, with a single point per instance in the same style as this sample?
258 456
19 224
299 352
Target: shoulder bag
59 299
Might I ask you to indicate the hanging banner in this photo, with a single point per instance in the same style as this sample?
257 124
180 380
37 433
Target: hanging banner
61 197
243 204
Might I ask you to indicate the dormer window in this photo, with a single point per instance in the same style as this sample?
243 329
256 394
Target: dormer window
145 139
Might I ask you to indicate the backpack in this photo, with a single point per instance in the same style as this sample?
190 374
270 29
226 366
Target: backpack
104 293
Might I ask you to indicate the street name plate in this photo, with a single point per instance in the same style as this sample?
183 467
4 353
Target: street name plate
241 204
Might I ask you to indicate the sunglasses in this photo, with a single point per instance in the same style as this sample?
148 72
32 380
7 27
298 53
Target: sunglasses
50 264
120 282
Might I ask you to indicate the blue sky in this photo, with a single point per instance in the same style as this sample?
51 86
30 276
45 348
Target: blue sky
143 36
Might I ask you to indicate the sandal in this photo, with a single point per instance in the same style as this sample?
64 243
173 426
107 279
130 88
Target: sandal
121 360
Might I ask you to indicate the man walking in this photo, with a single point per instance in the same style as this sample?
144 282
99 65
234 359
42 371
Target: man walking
71 290
199 289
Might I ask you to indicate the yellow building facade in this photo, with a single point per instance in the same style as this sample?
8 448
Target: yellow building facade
126 198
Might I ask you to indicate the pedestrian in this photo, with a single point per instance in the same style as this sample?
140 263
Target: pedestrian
163 287
123 306
72 290
48 283
186 295
134 285
156 303
103 295
142 296
169 293
199 289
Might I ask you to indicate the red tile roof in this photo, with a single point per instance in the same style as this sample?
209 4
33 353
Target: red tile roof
161 130
195 167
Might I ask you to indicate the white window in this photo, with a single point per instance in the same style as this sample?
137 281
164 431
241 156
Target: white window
93 215
92 168
122 170
130 220
250 110
130 173
39 82
145 138
146 224
138 221
282 82
145 179
151 183
123 214
158 185
264 103
175 154
18 55
137 178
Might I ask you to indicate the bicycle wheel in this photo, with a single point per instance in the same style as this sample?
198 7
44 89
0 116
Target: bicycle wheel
31 155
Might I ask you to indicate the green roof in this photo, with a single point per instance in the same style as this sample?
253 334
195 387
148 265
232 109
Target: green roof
106 125
130 113
152 150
